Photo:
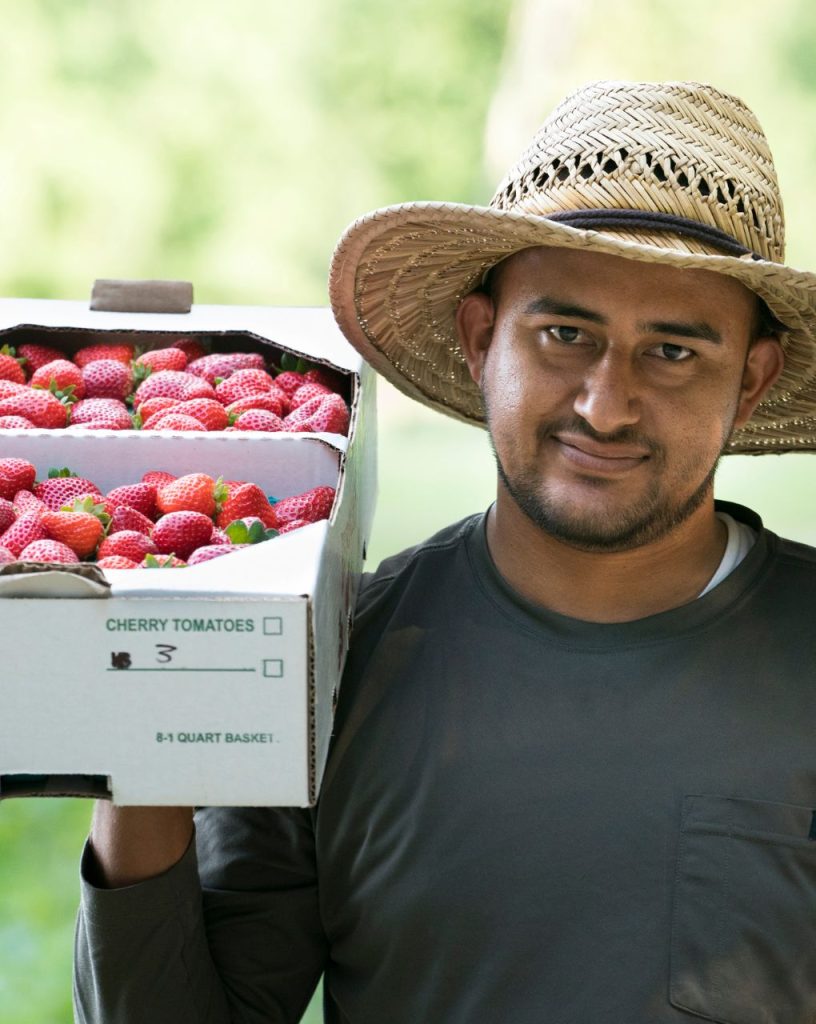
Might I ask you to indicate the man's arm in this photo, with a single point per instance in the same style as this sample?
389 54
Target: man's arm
230 932
131 844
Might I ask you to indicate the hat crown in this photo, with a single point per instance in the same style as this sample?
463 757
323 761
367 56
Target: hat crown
679 148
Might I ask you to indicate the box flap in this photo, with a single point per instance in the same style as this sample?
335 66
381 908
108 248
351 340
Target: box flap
39 579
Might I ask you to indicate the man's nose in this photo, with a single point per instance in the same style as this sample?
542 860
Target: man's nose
608 399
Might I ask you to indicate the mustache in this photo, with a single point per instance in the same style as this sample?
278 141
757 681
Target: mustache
578 426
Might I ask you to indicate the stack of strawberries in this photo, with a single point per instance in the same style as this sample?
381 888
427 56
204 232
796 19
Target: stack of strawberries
160 521
179 387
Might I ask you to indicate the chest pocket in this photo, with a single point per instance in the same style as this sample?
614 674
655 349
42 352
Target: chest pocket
743 945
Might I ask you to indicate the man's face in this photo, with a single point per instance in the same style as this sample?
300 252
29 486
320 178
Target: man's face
611 388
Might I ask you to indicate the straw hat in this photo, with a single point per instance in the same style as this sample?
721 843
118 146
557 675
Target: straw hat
672 172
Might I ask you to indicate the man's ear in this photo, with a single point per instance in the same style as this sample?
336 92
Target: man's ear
763 365
475 316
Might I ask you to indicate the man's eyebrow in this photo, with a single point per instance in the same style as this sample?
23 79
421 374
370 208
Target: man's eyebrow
544 304
683 329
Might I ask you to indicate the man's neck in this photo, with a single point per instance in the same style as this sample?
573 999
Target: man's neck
605 587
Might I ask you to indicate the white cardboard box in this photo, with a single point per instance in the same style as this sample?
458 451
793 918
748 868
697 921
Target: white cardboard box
208 685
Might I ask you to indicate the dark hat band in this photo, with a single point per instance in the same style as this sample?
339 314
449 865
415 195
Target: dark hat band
643 220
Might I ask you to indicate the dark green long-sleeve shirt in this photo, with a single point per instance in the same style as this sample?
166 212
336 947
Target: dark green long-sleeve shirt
525 819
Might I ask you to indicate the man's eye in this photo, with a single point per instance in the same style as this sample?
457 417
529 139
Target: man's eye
568 335
672 353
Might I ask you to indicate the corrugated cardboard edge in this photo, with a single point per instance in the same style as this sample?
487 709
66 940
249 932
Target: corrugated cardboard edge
341 570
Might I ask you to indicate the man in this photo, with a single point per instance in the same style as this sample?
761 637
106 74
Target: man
573 775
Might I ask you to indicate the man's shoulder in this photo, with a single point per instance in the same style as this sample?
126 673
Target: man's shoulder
394 572
796 553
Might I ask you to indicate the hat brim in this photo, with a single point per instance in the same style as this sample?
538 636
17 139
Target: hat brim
398 274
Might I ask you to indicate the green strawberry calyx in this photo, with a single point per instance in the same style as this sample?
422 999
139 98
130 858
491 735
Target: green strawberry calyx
220 494
65 471
10 350
141 371
89 506
290 363
152 562
239 533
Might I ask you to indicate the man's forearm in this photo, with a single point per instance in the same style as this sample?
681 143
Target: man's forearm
132 844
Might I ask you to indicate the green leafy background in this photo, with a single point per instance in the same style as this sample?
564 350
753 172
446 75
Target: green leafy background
229 144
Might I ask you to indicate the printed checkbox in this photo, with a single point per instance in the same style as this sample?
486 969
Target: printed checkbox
273 668
272 625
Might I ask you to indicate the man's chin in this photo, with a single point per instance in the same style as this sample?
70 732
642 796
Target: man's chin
598 533
606 527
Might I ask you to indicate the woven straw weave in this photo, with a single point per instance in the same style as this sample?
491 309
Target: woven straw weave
668 148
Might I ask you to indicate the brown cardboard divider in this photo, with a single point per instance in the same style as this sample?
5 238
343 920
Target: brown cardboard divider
20 785
123 296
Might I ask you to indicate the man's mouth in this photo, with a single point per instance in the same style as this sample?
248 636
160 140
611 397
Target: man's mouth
604 457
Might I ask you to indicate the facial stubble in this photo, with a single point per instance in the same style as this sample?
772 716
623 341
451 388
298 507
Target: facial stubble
649 518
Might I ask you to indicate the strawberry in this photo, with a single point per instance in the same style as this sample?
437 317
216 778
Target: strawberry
141 496
267 400
219 537
321 414
15 423
107 378
10 387
109 424
192 348
180 533
305 392
81 531
242 383
41 407
289 381
173 421
259 419
121 353
128 543
161 403
25 501
6 556
311 505
57 490
25 529
102 410
162 359
293 524
224 364
195 492
117 562
10 369
16 475
37 355
173 384
126 518
158 478
210 551
8 513
331 379
151 561
48 551
210 414
245 499
59 375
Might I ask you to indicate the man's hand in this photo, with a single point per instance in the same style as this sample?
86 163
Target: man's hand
131 844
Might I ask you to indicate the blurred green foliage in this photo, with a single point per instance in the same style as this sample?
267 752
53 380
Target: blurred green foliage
230 145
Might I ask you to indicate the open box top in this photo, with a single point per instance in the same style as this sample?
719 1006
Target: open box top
101 722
